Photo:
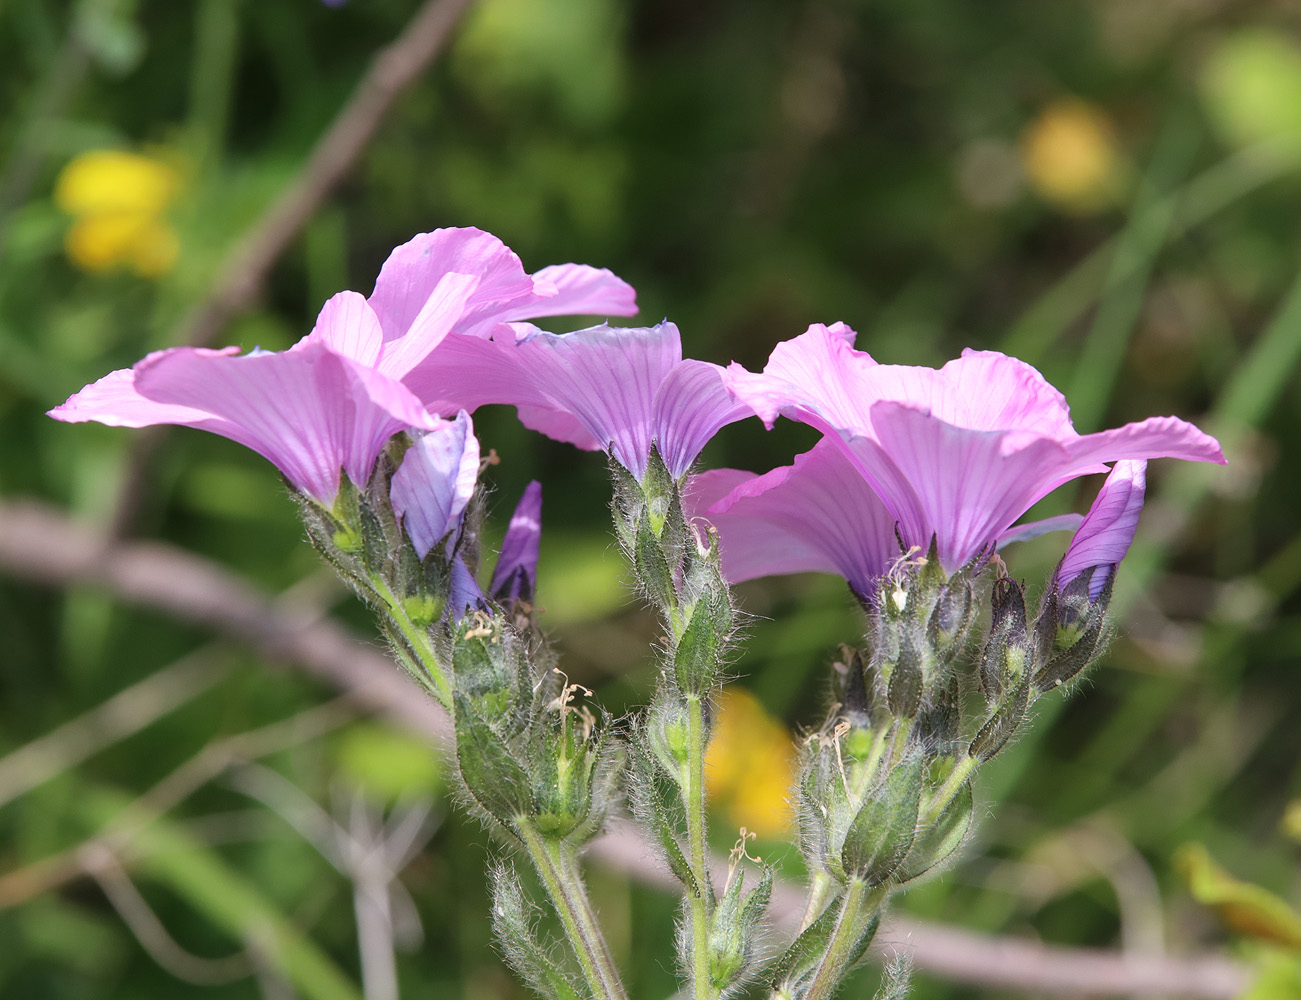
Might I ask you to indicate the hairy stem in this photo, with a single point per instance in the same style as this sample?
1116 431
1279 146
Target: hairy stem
944 795
418 639
693 799
556 866
859 905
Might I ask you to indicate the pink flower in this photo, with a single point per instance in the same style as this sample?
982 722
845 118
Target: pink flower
515 576
620 389
313 413
959 453
331 402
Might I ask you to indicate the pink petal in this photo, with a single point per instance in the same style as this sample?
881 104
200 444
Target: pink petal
816 515
1035 529
576 290
310 411
442 311
812 371
414 270
348 326
114 400
558 425
1155 437
692 403
515 575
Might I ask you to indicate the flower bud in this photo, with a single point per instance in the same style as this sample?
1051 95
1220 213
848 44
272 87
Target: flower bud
734 930
1007 650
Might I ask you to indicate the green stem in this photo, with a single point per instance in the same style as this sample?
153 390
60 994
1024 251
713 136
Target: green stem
820 891
941 799
860 903
693 800
418 639
555 865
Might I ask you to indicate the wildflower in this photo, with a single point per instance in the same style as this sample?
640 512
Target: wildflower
515 575
1070 157
117 200
620 389
751 765
956 454
333 400
312 412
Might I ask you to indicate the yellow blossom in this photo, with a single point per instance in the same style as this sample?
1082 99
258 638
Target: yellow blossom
1070 157
117 200
751 766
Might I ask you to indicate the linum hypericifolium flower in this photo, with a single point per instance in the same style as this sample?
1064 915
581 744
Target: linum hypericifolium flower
435 481
515 576
620 389
313 413
956 454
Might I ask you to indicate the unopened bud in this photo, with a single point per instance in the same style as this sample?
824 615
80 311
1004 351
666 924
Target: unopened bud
1004 658
882 833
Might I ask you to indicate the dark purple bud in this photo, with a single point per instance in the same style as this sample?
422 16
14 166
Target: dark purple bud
515 576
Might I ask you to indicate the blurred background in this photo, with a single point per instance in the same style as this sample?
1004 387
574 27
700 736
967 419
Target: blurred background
1109 189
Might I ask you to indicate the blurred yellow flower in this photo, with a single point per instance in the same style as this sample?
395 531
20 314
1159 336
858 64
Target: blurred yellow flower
751 766
117 200
1070 157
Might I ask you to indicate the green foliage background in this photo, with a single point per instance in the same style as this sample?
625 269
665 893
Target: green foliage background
751 168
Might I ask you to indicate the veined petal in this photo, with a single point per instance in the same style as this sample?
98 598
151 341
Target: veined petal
607 378
466 372
414 271
347 325
114 400
442 311
691 405
576 290
1035 529
815 515
1108 529
464 593
986 390
967 488
435 482
515 575
311 412
558 425
1155 437
813 370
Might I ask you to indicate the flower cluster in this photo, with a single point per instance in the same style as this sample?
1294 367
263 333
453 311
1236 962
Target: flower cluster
920 476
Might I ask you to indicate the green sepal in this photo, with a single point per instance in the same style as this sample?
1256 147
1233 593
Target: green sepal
527 954
937 842
799 962
695 660
1070 661
733 930
883 832
995 733
1002 661
651 567
649 808
495 780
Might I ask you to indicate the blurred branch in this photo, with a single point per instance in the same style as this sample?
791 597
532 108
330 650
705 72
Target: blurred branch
244 272
248 264
39 544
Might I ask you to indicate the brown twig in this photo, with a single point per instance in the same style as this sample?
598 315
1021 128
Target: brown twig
37 543
244 272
